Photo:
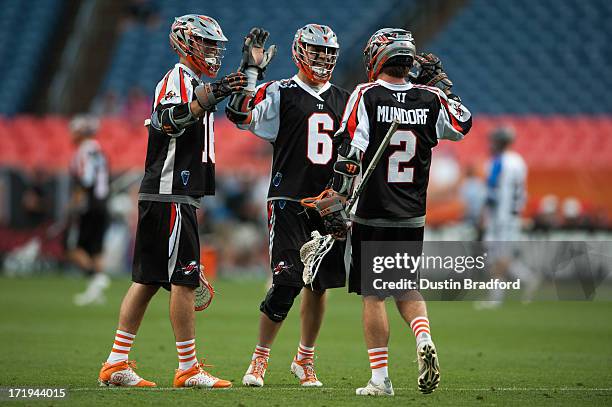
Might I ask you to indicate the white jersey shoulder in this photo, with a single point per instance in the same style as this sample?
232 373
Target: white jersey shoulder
175 87
265 115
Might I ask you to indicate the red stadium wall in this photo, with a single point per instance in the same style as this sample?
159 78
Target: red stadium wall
567 156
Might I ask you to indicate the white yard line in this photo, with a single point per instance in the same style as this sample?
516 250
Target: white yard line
267 389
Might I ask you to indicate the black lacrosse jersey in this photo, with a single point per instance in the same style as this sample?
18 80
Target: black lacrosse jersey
397 188
183 165
300 123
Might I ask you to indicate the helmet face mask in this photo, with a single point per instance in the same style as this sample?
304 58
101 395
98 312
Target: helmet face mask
317 62
315 52
206 55
199 40
385 44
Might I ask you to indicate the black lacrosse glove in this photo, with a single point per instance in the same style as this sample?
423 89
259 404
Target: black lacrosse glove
209 94
256 38
331 209
430 72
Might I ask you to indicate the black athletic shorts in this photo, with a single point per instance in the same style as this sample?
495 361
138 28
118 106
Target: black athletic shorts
90 228
361 233
290 225
167 247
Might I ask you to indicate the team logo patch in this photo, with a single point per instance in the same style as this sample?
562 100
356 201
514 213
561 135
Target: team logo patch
169 95
190 268
281 266
185 176
277 179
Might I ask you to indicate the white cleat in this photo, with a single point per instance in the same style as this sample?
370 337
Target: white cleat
254 376
429 369
372 389
94 294
304 370
87 298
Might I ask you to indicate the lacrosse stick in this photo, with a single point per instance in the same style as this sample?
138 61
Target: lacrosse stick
204 294
313 251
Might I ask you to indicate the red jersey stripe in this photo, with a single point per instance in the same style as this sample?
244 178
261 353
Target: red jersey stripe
183 90
162 91
261 94
351 125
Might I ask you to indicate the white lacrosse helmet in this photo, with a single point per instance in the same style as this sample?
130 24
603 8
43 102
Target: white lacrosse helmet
199 39
315 51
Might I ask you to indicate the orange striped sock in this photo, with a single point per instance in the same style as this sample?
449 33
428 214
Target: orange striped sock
121 347
261 351
186 354
305 352
420 327
378 364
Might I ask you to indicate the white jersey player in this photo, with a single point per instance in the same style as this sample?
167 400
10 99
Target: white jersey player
506 197
506 189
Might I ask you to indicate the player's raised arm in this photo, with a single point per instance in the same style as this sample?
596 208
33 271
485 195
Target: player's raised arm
255 59
454 120
173 118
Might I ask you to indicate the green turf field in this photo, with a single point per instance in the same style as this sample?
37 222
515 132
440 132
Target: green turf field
539 354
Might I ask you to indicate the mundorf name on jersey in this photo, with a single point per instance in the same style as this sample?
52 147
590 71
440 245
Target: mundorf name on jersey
387 114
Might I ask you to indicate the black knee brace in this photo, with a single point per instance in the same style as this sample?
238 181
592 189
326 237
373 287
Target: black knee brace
278 301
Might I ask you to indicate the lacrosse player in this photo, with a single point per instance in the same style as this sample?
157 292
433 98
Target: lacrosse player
392 204
299 117
179 170
500 216
88 214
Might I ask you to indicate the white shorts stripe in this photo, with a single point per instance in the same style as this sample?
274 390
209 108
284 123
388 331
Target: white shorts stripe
173 242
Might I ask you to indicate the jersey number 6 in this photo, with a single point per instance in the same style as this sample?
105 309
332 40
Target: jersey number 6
320 133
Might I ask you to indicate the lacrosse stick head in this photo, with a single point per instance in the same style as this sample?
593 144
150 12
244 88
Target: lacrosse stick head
204 294
312 253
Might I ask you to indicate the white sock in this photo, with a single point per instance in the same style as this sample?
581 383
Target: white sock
378 364
420 327
121 347
261 351
186 354
305 352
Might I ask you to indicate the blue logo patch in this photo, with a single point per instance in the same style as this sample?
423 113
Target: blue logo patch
277 179
185 176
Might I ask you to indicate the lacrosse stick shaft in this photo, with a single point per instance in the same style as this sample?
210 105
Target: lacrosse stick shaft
368 172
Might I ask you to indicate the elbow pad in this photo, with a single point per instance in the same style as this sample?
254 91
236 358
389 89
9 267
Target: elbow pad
173 121
346 168
237 109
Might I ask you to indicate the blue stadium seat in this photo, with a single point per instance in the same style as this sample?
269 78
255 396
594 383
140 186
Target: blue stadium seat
510 50
142 55
22 47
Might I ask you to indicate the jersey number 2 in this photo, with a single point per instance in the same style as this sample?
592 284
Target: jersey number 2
320 133
397 171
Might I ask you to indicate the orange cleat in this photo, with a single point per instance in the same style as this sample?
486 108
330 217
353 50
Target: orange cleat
196 376
254 375
305 371
122 374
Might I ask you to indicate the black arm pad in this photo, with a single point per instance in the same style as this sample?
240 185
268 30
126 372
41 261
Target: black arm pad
347 166
237 109
173 120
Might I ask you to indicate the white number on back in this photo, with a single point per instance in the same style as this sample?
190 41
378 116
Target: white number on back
400 157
